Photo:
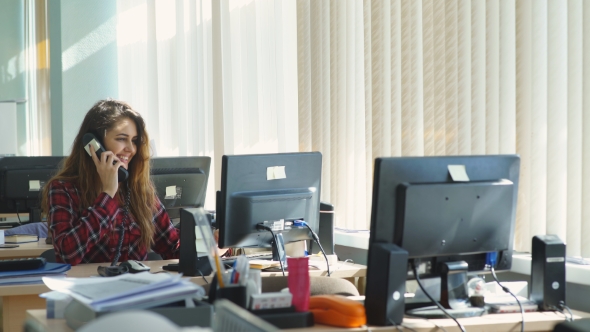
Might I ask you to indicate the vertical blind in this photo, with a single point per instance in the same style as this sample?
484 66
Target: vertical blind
360 79
454 77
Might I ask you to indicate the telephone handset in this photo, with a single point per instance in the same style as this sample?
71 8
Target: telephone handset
90 138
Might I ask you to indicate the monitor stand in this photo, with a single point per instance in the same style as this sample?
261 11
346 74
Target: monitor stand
453 295
278 250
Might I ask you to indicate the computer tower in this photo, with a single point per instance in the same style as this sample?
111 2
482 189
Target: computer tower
326 227
386 284
547 286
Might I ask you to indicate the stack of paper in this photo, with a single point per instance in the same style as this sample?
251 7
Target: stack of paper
127 291
33 276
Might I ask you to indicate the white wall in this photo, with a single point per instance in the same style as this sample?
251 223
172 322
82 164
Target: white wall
12 62
88 54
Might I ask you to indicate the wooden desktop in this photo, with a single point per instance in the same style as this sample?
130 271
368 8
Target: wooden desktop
534 321
25 250
20 298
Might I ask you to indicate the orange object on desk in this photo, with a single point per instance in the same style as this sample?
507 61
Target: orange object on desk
336 310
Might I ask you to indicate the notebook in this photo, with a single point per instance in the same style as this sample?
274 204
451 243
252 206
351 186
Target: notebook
21 238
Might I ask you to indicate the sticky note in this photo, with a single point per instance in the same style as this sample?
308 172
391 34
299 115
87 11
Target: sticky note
170 192
280 172
458 173
275 173
34 185
270 173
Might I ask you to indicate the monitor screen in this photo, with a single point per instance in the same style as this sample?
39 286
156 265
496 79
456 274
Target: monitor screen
180 182
419 207
21 181
275 189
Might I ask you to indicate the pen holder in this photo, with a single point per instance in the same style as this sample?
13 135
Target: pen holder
235 293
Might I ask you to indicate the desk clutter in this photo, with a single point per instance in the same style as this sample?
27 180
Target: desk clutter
20 271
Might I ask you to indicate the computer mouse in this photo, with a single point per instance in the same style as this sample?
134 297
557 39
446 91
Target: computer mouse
135 266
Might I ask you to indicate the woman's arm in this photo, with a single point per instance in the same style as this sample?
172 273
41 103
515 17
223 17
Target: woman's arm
77 234
166 240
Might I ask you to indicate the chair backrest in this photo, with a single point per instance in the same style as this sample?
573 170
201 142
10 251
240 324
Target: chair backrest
49 255
131 321
318 285
152 256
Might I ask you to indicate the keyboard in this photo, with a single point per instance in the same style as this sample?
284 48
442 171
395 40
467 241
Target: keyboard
256 255
21 264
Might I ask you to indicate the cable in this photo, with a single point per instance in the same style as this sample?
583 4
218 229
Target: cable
557 310
18 215
317 240
505 289
563 306
415 271
399 326
201 273
435 324
266 228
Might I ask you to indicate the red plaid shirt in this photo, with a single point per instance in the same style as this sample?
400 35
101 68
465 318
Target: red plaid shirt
91 236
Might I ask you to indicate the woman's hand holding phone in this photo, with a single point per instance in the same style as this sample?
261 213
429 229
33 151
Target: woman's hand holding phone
107 167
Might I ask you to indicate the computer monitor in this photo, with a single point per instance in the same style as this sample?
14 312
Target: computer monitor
180 182
270 189
446 209
21 181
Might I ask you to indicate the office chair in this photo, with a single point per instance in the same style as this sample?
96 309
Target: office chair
579 325
49 255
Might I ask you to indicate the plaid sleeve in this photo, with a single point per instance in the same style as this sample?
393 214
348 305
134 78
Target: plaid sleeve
75 234
166 241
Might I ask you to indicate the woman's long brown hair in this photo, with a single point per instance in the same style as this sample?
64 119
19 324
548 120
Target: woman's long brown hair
80 170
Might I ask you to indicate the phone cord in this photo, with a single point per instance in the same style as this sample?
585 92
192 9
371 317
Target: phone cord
125 218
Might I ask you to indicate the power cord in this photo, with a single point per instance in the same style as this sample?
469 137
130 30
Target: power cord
268 229
561 307
491 258
507 290
415 271
317 240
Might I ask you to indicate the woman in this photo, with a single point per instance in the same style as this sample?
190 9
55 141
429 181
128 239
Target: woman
92 216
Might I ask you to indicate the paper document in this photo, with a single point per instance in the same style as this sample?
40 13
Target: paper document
141 290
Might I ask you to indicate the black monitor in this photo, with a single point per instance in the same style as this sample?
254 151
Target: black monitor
439 219
180 182
274 189
21 182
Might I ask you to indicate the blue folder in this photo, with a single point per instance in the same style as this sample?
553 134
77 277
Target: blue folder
47 270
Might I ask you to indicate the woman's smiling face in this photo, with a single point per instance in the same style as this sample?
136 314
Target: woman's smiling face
122 140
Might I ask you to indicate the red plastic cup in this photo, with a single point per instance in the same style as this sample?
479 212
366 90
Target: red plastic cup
299 282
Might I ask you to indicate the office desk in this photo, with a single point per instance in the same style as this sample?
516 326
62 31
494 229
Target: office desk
534 321
18 299
25 250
